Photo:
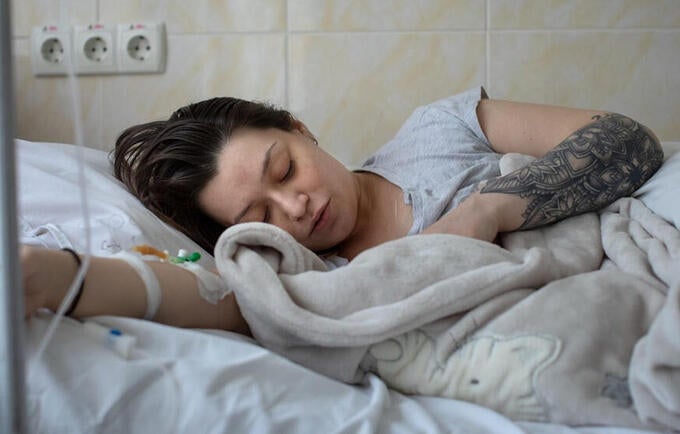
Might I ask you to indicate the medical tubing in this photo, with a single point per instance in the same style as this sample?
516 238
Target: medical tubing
87 251
125 345
84 205
66 302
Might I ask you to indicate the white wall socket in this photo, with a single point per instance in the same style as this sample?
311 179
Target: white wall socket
99 49
50 50
94 49
141 47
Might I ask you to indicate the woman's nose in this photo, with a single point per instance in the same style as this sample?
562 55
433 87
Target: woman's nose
293 204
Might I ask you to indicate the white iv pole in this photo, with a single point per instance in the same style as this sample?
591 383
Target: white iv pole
12 383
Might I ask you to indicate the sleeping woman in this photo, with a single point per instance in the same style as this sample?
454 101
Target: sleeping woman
226 161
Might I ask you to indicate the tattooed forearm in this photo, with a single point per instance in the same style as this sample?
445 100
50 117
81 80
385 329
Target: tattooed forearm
609 158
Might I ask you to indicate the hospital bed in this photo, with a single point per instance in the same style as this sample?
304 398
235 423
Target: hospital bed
165 379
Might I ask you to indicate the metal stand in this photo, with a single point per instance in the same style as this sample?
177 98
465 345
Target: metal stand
12 394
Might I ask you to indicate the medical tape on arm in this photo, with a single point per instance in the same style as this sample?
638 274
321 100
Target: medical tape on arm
210 285
153 288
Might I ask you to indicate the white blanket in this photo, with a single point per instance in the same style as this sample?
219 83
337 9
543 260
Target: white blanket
456 317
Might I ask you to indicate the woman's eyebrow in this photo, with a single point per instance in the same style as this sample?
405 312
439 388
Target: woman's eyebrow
265 167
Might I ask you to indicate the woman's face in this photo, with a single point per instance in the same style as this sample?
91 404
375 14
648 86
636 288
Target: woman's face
283 178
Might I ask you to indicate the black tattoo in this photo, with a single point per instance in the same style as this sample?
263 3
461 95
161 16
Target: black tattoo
609 158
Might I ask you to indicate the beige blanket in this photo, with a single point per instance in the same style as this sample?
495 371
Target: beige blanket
576 323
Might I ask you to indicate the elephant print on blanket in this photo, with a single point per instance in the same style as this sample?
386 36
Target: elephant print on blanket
493 371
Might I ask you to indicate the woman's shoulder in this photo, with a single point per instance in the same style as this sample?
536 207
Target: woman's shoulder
456 104
458 107
469 96
443 121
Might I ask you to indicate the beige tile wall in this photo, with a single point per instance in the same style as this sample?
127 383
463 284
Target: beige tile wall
354 69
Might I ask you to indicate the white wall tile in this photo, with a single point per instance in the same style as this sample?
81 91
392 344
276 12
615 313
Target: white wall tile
34 13
634 73
44 106
355 90
199 67
345 15
200 16
355 69
574 14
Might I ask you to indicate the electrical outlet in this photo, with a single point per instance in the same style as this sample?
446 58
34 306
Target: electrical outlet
141 47
94 49
50 50
99 49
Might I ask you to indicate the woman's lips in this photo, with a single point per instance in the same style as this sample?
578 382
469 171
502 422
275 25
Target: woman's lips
322 218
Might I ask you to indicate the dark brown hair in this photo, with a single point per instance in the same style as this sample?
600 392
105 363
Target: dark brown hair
167 163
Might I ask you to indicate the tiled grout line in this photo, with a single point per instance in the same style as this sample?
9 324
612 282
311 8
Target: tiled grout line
100 90
388 32
485 29
487 49
591 30
286 60
385 31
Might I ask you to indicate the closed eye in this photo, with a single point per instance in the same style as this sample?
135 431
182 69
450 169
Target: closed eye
290 172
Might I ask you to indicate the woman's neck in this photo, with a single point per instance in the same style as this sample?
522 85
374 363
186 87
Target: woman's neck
382 215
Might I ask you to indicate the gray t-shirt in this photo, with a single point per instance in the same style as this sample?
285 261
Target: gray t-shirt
437 157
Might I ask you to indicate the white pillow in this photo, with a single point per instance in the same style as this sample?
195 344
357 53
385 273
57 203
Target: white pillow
661 193
50 212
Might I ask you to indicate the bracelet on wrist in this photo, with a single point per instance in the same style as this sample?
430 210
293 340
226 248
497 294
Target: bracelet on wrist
76 299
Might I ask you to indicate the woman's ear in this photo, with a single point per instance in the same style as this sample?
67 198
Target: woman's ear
301 127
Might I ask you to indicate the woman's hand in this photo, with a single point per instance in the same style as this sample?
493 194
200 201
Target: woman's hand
478 216
482 216
47 275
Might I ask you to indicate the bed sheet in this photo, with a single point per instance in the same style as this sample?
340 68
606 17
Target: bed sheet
197 381
206 381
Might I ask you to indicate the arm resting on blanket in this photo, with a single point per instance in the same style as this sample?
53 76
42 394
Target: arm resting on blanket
607 158
112 287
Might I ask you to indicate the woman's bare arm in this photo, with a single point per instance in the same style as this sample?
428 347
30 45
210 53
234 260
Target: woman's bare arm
526 128
604 156
608 158
112 287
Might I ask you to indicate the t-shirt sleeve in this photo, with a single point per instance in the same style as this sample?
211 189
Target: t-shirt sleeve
463 107
438 156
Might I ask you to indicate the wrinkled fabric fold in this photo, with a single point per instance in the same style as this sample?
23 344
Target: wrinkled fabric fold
573 323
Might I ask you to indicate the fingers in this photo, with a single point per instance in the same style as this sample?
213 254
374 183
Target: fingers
31 289
30 307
